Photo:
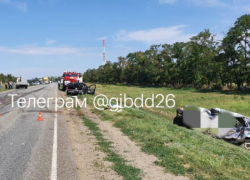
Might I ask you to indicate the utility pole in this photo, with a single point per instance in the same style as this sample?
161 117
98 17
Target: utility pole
103 53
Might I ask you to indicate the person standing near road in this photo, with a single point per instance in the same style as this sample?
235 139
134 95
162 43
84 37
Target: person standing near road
1 84
59 84
6 86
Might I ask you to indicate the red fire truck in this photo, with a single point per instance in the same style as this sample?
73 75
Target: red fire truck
70 77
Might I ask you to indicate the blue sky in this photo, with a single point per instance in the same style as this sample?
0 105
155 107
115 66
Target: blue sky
46 37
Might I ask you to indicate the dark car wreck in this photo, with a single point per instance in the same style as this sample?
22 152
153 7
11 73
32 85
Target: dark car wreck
227 125
80 88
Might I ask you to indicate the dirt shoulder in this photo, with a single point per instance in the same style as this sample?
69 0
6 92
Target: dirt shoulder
85 143
89 159
130 151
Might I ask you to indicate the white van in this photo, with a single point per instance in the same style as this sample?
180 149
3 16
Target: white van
22 82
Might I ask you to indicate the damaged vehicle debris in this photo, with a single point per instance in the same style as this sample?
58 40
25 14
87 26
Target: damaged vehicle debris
229 126
80 89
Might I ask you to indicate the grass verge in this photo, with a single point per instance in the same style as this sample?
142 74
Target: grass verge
3 89
126 171
179 150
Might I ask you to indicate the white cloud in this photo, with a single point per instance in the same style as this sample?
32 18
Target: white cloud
5 1
205 3
238 5
50 41
48 2
101 38
241 6
219 37
31 72
25 50
208 3
18 5
155 36
167 1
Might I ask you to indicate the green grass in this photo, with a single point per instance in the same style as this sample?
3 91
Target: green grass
234 102
128 172
179 150
3 89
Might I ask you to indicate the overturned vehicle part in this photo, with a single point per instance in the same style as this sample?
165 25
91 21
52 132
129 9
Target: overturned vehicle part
227 125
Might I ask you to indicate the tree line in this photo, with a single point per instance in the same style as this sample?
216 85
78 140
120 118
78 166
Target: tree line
51 78
203 60
7 78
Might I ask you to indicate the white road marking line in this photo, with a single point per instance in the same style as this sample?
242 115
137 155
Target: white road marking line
54 153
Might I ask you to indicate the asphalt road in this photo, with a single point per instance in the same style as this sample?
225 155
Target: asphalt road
31 149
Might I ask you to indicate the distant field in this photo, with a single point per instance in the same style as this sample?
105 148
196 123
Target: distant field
180 150
234 102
